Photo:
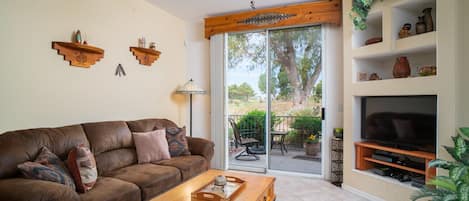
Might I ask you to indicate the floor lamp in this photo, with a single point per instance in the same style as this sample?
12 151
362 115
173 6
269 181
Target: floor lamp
190 88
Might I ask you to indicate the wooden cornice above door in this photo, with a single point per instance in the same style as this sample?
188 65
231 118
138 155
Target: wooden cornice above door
317 12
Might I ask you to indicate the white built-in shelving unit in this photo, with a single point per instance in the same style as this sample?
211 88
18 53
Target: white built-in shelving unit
436 48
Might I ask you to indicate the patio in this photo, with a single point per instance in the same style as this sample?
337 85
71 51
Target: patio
292 161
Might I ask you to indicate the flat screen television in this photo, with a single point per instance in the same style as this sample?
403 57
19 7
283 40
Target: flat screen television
406 122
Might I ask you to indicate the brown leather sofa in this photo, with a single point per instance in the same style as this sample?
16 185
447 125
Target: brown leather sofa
120 177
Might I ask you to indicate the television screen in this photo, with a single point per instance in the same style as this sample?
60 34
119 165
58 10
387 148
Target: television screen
407 122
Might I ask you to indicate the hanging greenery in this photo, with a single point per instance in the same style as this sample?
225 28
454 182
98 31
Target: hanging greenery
359 13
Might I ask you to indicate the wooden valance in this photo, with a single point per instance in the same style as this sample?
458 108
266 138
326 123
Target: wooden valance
318 12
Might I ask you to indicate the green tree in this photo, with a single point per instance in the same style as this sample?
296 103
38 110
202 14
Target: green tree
262 85
295 58
318 92
243 91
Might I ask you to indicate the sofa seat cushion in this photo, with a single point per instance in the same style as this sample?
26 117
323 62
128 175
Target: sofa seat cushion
110 189
152 179
19 189
189 166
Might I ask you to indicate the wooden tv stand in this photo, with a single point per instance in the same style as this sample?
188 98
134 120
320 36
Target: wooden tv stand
364 160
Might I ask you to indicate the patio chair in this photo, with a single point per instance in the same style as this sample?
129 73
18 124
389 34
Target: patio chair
247 154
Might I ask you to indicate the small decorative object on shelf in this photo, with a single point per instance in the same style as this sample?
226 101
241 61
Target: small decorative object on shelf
78 38
77 54
420 27
428 19
362 76
141 42
153 45
145 56
374 40
374 76
405 31
427 71
401 68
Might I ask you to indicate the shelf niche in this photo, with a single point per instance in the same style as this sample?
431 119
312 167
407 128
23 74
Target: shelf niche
408 12
384 65
145 56
77 54
374 29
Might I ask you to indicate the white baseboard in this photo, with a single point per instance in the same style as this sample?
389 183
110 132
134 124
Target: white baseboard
361 193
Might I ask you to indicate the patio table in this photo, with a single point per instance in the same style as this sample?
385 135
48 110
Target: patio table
282 135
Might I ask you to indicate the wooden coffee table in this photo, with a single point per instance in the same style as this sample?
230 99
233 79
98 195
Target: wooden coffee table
258 188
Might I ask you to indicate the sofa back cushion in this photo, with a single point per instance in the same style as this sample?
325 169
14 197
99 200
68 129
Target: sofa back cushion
24 145
147 125
112 144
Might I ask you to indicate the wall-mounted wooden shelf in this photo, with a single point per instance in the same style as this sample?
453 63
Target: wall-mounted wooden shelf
364 160
145 56
79 55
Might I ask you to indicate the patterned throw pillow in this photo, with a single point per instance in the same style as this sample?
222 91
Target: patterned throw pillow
48 167
177 141
82 165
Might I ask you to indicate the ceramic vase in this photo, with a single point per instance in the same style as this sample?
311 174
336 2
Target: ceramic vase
428 19
420 26
401 68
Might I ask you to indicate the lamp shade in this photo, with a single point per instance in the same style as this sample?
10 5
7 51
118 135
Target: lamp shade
190 88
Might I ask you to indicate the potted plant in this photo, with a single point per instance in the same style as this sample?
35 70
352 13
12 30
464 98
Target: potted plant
312 146
455 186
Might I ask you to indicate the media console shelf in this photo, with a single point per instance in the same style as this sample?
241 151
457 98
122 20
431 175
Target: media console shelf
364 160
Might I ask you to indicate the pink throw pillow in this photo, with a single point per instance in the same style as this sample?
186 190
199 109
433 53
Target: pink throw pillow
151 146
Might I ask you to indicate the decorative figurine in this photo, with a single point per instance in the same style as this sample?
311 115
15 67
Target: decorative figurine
427 71
78 38
405 30
141 42
374 76
85 42
362 76
428 19
153 45
420 26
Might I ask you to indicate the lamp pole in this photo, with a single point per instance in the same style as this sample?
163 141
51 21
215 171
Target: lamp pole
190 100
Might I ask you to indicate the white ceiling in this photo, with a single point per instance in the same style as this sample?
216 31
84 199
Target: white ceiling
197 10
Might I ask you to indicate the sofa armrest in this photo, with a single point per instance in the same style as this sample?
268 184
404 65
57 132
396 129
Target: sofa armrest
203 147
19 189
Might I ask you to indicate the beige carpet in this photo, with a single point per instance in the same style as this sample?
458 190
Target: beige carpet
293 188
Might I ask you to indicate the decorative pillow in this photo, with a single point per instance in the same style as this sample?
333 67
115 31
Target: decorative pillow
48 167
177 141
151 146
82 166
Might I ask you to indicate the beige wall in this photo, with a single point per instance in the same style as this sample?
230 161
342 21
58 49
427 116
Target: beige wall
198 68
39 89
463 65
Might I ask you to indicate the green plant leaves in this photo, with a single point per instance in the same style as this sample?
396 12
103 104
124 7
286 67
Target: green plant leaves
444 182
463 192
438 163
464 132
359 13
459 146
458 172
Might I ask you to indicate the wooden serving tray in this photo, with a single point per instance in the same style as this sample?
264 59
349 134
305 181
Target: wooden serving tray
206 193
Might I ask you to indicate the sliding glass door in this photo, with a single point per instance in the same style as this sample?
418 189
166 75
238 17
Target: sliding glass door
273 85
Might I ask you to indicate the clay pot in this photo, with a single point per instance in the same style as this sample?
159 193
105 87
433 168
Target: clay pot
312 149
420 27
427 14
401 68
